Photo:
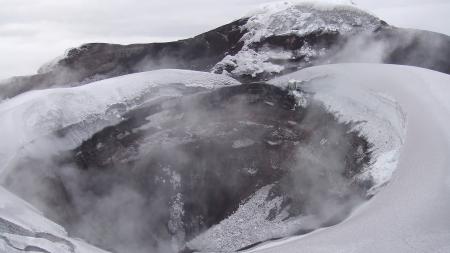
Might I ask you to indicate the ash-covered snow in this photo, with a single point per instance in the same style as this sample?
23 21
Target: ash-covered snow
299 19
411 213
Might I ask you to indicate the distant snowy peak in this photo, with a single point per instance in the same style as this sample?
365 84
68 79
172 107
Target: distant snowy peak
276 19
283 5
298 27
305 18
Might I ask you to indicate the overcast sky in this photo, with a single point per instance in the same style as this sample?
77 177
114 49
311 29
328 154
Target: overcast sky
33 32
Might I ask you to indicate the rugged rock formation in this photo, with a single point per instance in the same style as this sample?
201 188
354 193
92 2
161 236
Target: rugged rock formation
268 43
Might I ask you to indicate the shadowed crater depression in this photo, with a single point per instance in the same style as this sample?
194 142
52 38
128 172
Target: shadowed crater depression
199 172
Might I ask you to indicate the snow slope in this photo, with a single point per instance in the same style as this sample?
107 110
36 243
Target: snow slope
412 213
23 228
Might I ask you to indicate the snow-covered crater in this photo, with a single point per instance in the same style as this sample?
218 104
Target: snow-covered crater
143 125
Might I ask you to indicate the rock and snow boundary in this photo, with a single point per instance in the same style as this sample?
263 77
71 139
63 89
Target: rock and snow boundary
411 213
292 19
376 115
34 115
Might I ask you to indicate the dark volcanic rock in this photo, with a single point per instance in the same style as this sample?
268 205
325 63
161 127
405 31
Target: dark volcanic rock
205 52
98 61
416 48
174 167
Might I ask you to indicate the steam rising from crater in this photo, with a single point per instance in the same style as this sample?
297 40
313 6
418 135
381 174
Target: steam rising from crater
174 168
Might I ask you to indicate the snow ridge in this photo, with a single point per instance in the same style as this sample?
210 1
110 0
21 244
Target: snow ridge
375 115
410 214
35 114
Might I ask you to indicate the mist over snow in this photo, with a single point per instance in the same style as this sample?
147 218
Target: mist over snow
34 32
230 126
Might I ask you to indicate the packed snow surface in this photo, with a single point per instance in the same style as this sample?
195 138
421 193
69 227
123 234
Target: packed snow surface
411 213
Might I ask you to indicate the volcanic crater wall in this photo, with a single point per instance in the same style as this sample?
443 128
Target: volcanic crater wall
175 167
